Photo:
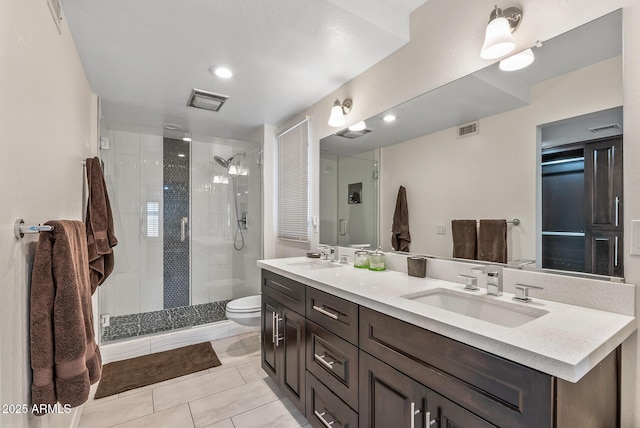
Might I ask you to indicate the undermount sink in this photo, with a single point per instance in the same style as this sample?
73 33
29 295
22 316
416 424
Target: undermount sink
484 307
315 265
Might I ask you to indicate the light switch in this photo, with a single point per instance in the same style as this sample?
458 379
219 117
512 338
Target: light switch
635 237
441 229
104 143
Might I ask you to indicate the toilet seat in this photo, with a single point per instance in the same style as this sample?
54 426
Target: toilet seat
244 304
245 311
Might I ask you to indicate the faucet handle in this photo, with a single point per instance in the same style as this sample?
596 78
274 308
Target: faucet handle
522 292
470 282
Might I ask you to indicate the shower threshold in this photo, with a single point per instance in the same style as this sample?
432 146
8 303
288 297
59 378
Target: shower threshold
141 324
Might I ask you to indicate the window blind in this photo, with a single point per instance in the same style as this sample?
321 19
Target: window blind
293 183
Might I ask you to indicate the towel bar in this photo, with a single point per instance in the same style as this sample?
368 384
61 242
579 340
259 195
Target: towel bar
20 229
515 221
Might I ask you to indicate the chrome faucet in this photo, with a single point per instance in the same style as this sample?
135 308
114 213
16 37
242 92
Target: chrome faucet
494 278
328 252
494 283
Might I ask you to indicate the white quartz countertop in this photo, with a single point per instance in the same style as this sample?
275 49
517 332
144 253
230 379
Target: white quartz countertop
567 342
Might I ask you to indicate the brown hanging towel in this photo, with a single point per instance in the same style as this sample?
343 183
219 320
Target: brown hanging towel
465 239
400 236
64 356
492 241
99 222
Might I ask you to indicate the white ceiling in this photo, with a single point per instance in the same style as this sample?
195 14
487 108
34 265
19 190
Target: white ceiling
143 57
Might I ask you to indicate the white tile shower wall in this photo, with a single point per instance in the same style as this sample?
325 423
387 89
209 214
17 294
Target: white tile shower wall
133 170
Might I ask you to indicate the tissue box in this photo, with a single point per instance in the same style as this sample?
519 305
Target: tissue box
417 266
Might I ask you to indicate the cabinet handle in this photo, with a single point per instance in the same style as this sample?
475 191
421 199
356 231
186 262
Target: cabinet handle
183 226
343 226
273 327
277 336
413 414
427 420
617 211
321 360
325 312
615 252
322 419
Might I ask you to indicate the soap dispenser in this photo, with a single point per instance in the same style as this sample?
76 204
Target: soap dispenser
361 259
376 260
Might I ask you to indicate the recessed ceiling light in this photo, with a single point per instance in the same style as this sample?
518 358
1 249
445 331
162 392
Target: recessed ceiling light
171 127
222 72
389 118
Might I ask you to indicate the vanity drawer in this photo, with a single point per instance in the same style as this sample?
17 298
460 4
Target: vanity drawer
286 291
334 362
498 390
337 315
324 408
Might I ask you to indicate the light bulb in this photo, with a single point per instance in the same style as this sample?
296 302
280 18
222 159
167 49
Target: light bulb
518 61
358 126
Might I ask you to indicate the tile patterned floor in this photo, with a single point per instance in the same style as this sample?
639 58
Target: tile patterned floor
237 394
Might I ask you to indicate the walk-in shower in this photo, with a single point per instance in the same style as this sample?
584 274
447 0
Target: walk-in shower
188 230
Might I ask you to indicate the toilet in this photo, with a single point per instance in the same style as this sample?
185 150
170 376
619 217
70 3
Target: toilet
245 311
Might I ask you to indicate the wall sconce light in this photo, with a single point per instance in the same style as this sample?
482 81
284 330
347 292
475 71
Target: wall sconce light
338 111
520 60
498 38
358 126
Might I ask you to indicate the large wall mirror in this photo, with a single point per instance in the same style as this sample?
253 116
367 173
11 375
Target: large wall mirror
569 98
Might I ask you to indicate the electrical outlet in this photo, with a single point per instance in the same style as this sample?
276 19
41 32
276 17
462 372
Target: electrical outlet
104 143
441 229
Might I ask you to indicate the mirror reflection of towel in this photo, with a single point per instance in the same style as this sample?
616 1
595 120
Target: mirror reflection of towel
400 236
492 241
464 234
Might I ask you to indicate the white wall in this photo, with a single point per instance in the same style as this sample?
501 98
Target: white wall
492 174
446 36
48 116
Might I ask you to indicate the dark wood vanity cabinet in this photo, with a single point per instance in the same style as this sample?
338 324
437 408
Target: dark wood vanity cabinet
283 335
390 398
346 365
468 387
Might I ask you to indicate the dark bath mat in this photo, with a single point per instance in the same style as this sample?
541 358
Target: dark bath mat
121 376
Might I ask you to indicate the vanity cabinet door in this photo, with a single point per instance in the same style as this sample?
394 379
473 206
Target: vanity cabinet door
292 356
267 338
283 349
388 398
447 414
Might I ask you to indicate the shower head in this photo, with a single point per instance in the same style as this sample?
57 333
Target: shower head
224 163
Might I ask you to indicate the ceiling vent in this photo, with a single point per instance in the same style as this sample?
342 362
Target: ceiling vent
206 100
612 127
352 135
468 129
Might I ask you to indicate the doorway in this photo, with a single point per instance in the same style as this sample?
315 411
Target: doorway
582 188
